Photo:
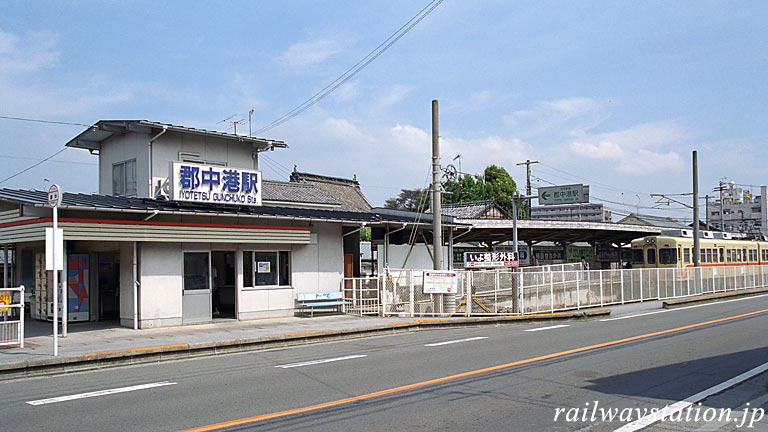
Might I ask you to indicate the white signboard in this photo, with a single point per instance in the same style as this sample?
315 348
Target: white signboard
490 259
215 184
49 249
522 252
566 194
54 196
441 282
263 267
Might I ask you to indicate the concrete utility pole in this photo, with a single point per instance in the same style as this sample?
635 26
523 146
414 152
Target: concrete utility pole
696 247
437 226
706 210
527 164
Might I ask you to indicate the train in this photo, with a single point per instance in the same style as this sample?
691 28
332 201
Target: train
674 249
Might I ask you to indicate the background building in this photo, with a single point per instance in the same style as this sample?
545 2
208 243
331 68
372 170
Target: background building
740 211
587 212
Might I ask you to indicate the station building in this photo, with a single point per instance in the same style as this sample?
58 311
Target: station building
184 230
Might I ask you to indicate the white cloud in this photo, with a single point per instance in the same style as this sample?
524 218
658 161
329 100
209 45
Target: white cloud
635 150
308 53
32 53
559 115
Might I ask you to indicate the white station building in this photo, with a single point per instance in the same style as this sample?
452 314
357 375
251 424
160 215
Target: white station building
185 228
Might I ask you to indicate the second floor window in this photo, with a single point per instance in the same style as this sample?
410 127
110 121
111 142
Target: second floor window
124 178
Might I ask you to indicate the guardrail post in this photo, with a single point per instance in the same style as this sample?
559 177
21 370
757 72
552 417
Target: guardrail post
411 305
621 284
578 296
21 319
551 291
496 293
744 271
674 282
641 285
658 283
469 295
602 299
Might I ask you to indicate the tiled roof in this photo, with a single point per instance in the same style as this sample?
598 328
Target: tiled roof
471 210
656 221
347 192
299 193
93 202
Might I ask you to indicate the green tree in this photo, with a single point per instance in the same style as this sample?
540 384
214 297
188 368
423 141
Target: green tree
365 234
496 184
409 199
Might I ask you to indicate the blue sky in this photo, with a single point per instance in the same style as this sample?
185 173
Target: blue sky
615 94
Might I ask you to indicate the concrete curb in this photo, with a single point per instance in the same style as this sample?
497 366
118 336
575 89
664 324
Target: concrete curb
134 356
669 304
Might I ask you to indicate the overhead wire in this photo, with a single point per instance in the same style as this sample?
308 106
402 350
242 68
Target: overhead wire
34 165
355 69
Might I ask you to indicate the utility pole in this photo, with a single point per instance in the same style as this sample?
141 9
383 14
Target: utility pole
722 217
437 226
250 114
696 247
527 164
706 209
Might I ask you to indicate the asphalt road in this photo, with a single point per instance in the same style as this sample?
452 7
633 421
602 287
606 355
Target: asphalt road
537 370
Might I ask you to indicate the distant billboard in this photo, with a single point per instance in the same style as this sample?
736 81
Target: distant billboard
565 194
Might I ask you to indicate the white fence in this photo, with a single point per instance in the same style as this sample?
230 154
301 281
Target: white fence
495 292
12 318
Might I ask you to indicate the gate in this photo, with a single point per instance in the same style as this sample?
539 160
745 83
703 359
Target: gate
12 316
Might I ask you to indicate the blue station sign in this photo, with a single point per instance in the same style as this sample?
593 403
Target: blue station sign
215 184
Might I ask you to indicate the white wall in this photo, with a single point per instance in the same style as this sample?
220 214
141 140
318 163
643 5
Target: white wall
122 148
167 148
419 258
316 267
164 150
161 284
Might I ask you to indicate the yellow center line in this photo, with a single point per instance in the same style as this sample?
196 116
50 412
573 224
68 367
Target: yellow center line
348 400
133 350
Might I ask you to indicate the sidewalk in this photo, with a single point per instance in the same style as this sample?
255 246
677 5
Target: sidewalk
93 345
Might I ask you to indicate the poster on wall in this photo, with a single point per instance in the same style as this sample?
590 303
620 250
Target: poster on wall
263 267
77 286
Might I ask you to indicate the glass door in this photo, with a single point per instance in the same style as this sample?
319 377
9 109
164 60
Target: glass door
196 298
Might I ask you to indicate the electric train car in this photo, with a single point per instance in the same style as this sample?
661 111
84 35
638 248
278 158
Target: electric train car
674 249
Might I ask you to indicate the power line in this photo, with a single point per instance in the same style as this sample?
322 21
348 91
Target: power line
354 70
34 165
44 121
56 161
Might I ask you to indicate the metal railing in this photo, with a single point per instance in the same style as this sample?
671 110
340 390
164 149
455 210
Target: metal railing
12 317
496 292
363 295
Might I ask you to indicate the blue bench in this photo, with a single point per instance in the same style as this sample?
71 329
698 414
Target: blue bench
321 300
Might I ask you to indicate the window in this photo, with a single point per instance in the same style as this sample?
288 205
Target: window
667 256
709 255
686 255
124 178
722 255
702 255
738 255
651 256
267 268
196 271
637 256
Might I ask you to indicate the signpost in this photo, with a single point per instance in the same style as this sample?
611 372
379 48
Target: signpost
565 194
54 200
